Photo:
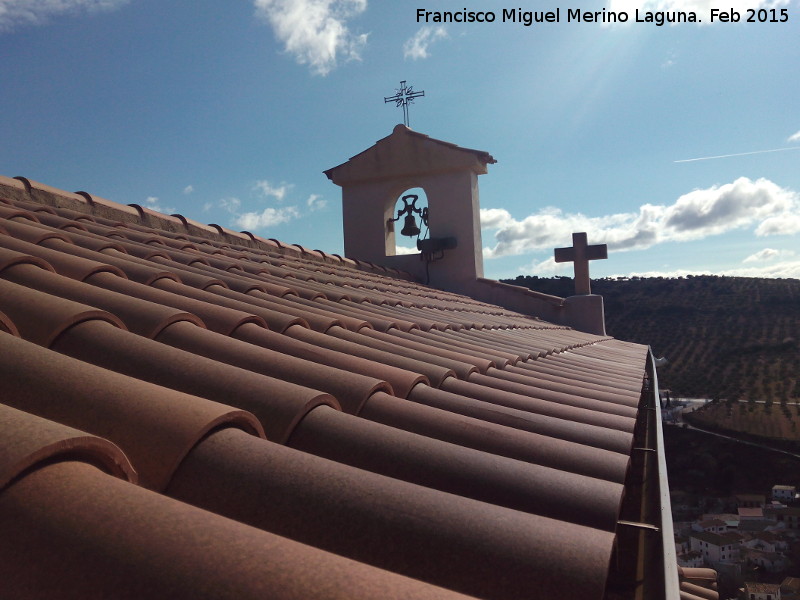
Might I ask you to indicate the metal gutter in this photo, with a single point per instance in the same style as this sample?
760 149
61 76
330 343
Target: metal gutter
670 559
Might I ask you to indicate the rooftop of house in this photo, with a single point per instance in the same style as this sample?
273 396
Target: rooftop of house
698 582
717 539
755 525
761 588
712 523
791 584
751 498
190 411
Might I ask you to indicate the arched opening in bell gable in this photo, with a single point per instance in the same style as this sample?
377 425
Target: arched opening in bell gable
409 220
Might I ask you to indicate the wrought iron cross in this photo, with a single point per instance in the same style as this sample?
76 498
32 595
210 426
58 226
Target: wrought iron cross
404 97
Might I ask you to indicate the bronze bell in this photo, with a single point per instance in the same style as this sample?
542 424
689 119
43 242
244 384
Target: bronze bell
410 228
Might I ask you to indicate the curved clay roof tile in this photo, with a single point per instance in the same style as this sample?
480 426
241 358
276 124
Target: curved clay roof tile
469 473
39 317
473 547
495 438
8 212
74 531
154 426
488 409
286 403
140 316
31 231
434 374
220 297
66 264
9 258
276 359
59 222
216 318
28 441
7 325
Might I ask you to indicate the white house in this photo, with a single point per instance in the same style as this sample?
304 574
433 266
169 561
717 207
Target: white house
710 525
690 560
715 547
767 541
784 492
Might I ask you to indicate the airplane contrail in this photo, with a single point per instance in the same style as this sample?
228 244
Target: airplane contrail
737 154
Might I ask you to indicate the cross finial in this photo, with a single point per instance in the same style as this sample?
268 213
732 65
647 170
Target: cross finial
580 254
404 97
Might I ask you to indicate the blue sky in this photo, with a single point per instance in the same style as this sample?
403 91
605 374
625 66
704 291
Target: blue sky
229 111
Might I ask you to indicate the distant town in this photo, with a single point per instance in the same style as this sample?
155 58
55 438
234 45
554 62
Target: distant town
751 540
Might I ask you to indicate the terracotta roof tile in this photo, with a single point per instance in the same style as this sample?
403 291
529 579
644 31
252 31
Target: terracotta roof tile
497 438
29 441
353 513
7 326
278 404
81 531
465 362
376 321
499 407
490 447
463 471
142 317
41 318
64 263
350 389
154 426
492 390
339 340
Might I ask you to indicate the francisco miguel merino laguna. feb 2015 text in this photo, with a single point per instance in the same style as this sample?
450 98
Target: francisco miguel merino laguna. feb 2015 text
576 15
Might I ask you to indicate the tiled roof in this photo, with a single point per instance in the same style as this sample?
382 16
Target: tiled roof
193 412
761 588
698 583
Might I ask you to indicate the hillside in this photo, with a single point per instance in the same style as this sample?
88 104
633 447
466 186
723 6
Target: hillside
702 463
733 338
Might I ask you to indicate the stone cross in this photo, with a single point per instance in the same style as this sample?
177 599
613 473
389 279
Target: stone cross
580 254
404 97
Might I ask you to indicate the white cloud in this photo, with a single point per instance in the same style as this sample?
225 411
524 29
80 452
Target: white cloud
794 138
315 32
231 204
784 224
315 202
416 47
548 266
269 217
154 203
495 218
188 189
405 250
700 213
767 254
267 189
38 12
